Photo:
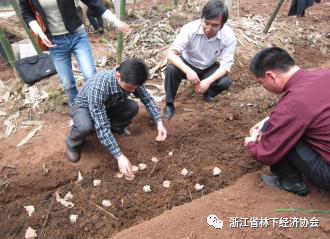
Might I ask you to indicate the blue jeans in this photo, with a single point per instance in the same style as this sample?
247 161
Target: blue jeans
78 44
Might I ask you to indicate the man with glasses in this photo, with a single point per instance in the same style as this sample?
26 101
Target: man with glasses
202 53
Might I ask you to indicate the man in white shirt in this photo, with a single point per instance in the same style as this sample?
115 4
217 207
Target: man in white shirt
202 53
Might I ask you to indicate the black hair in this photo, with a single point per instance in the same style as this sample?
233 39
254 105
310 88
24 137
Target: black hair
133 71
215 8
272 58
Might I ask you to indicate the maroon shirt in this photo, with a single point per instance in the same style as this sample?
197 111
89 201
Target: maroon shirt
302 112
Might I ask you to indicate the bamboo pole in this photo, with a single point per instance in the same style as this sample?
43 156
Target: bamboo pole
7 48
120 34
272 17
26 28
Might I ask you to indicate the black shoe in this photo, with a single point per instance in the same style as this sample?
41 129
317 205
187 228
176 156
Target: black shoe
72 155
299 188
168 111
208 98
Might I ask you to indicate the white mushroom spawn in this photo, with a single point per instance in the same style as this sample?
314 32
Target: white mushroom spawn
106 203
216 171
142 166
73 218
97 182
184 172
154 160
166 184
147 189
199 187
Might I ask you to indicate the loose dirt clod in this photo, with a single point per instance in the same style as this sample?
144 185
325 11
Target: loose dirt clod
199 187
142 166
166 184
30 210
30 233
147 189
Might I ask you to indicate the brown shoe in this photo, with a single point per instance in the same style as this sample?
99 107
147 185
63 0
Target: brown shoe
72 156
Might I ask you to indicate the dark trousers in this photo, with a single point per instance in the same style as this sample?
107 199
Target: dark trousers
301 160
174 76
120 117
95 20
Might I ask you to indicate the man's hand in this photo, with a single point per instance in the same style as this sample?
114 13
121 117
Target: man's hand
192 77
45 40
259 125
123 27
162 133
255 135
125 167
203 86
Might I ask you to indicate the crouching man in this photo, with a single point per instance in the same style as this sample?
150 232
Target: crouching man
103 104
295 140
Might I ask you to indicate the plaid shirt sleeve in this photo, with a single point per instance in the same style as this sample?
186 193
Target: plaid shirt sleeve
96 99
149 102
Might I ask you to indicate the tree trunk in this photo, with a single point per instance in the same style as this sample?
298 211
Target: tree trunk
26 28
120 34
272 17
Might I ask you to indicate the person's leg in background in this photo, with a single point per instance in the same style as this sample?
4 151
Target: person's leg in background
81 48
121 115
217 86
61 57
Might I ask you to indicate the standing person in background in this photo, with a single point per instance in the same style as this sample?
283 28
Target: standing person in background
65 35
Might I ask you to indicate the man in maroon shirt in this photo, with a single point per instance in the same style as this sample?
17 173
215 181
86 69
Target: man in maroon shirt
295 139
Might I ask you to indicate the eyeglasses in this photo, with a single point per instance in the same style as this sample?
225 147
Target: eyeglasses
211 25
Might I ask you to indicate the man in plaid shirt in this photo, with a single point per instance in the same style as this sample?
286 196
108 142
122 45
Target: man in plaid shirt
103 103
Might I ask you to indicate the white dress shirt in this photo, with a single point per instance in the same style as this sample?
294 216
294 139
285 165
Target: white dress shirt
202 52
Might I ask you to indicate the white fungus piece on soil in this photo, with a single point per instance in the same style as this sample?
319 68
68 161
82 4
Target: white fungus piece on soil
106 203
68 196
154 160
184 172
63 202
135 168
147 189
119 175
30 210
80 177
199 187
170 153
216 171
142 166
73 218
97 182
166 184
30 233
